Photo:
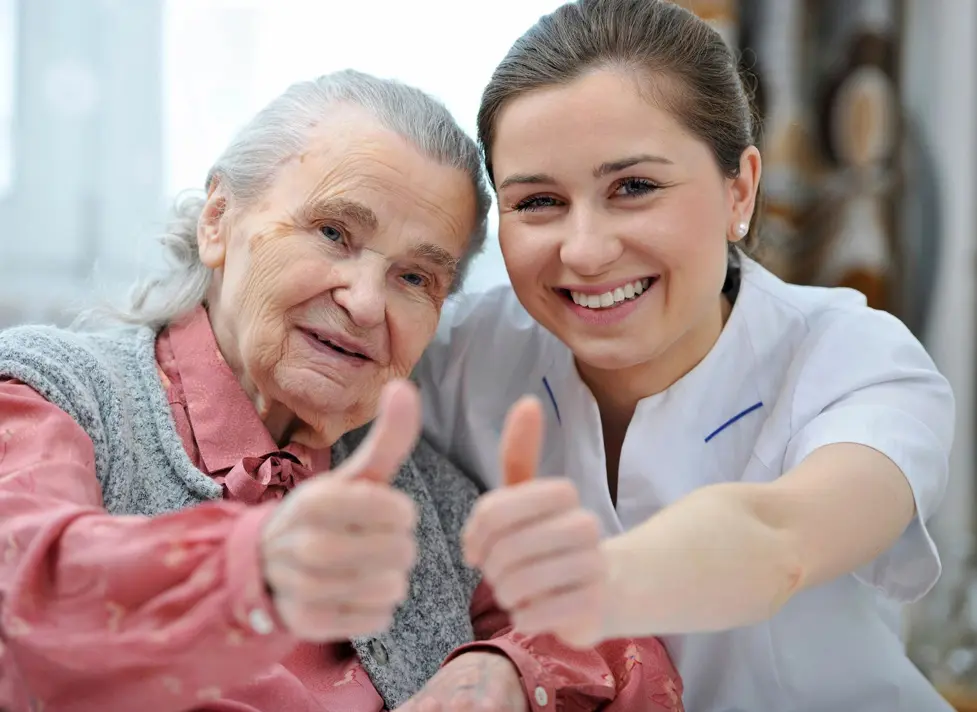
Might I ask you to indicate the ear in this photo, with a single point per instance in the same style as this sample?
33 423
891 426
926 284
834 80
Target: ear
743 191
212 228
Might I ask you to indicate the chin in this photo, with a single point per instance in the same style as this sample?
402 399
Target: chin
320 402
609 355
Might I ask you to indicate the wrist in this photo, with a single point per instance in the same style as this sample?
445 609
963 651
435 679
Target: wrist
491 656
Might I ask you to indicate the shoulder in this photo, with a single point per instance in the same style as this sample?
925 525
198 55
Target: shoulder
832 334
828 329
486 346
52 345
478 326
75 370
826 350
790 313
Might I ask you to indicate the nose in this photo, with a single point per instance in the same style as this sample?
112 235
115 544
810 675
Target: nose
363 294
590 248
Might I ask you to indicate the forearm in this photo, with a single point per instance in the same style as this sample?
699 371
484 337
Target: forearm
707 562
100 610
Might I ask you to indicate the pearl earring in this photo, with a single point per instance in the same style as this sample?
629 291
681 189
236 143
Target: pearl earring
741 229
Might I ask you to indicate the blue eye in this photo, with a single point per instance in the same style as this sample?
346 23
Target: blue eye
635 187
414 279
331 233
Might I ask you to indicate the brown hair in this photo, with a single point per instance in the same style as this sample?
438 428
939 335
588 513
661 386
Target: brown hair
701 83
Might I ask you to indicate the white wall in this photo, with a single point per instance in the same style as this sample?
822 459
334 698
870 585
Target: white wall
87 163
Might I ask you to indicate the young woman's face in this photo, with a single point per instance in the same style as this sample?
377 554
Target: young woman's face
613 221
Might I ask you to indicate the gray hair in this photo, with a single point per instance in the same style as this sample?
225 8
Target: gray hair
280 131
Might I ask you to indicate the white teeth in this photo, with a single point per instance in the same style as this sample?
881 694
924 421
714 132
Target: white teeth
613 297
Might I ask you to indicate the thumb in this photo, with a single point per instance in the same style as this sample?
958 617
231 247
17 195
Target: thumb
391 438
522 441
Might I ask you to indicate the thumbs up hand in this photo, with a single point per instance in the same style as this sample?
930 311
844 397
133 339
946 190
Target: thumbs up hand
537 547
338 550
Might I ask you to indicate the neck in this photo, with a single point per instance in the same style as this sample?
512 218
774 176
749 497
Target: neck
618 391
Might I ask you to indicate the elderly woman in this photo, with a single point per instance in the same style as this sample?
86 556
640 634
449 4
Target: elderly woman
147 556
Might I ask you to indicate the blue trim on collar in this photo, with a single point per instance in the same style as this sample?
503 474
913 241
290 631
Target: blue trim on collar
732 420
556 408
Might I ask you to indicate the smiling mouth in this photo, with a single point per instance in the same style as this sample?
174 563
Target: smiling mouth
609 300
337 348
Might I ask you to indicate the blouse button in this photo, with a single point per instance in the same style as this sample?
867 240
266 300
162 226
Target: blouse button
541 697
261 622
379 652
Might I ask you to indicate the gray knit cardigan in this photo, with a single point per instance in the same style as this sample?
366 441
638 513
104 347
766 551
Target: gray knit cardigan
108 383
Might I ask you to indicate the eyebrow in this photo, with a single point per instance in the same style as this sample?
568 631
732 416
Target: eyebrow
343 209
600 171
437 256
614 166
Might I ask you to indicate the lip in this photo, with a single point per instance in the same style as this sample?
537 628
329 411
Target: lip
605 287
342 341
610 315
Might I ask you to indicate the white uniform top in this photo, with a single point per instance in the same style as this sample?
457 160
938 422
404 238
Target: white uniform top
794 369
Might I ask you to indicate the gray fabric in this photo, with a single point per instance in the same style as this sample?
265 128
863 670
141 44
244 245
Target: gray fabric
108 383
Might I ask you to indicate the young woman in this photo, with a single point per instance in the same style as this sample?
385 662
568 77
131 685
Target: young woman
761 457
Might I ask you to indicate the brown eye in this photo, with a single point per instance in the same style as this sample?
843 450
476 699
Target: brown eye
537 202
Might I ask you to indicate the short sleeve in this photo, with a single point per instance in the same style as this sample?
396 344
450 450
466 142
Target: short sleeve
865 379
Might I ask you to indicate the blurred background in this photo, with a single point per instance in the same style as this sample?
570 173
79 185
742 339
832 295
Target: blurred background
110 108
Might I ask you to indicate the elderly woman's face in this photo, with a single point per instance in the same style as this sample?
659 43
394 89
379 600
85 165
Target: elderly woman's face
332 284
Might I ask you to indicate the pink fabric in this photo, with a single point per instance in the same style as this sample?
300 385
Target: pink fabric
112 613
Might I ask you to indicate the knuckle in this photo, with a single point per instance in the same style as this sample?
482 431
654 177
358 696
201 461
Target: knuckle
317 547
399 588
594 562
565 493
494 565
588 526
408 553
504 596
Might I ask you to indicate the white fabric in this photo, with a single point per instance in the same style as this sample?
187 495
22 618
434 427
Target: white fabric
803 367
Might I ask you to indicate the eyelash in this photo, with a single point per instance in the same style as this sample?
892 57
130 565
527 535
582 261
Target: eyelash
533 203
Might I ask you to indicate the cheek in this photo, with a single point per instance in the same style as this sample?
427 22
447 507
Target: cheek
412 327
281 275
526 251
692 235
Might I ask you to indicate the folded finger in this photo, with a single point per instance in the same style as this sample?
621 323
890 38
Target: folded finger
324 553
504 511
519 586
575 530
360 505
572 614
373 590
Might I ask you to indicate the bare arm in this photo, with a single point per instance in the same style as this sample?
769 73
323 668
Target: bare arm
735 553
